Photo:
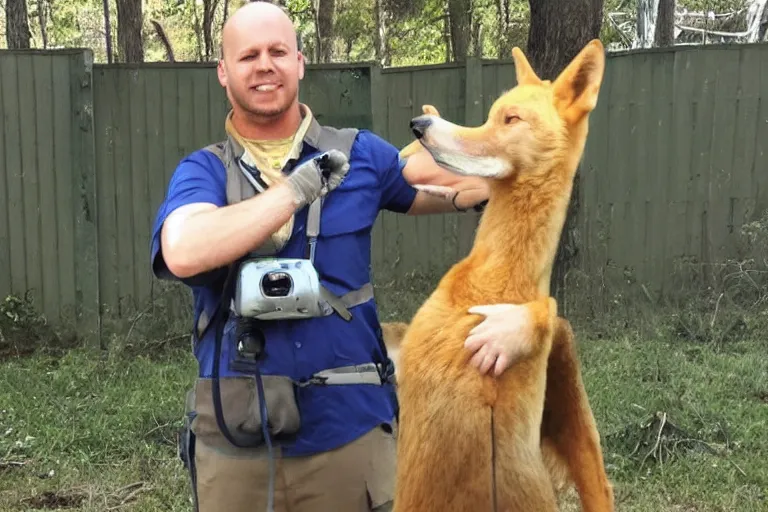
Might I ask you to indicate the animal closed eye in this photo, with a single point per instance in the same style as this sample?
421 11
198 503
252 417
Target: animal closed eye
511 118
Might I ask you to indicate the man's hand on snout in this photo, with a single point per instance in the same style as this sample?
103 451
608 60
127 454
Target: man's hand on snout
501 338
423 173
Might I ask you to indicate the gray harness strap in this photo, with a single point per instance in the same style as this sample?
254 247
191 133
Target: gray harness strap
369 373
244 182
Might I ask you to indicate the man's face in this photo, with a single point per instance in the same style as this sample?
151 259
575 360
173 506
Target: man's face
261 68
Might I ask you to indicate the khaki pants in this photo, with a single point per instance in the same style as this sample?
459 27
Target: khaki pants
357 477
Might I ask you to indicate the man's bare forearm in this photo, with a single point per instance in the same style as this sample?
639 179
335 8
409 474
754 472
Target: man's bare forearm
201 237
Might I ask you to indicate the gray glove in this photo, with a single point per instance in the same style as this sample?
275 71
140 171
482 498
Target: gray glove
317 177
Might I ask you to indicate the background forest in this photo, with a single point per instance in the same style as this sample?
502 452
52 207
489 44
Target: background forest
392 32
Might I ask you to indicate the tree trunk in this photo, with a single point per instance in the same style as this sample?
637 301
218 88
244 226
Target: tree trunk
107 31
198 31
477 35
459 12
647 19
756 18
129 39
447 30
42 18
381 47
324 12
209 9
226 13
17 34
665 24
559 29
504 24
164 40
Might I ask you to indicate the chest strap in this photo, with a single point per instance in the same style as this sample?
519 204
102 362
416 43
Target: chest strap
369 373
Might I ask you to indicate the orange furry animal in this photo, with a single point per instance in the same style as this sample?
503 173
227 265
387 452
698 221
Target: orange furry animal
393 333
472 442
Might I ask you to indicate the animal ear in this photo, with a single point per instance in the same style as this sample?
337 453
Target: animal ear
523 70
578 85
430 110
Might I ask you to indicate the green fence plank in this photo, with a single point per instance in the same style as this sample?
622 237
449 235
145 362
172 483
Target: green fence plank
86 208
5 200
660 136
63 184
761 138
106 125
139 172
44 144
30 188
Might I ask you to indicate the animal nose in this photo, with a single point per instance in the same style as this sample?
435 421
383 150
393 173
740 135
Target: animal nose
419 125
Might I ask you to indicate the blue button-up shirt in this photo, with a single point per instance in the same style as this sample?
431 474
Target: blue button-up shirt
330 415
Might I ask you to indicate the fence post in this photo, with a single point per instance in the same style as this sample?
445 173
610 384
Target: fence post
474 109
474 112
85 209
378 102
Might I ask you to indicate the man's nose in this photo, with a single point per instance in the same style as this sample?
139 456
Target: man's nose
264 62
419 125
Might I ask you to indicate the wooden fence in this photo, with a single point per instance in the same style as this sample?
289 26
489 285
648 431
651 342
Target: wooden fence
675 163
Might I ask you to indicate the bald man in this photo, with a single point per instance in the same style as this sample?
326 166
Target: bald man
257 195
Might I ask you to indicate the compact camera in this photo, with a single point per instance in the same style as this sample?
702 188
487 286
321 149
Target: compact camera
278 288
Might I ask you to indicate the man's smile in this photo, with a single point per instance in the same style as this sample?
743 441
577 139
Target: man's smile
268 87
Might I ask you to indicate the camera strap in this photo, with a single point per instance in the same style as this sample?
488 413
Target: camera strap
339 304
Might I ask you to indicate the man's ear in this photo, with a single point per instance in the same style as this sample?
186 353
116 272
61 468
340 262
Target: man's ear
578 86
221 73
301 65
524 73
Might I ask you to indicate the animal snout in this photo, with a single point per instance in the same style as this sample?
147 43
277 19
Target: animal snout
419 125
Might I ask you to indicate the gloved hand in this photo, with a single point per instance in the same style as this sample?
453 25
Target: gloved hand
318 176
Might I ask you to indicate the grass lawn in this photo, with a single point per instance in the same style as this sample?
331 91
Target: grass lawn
684 426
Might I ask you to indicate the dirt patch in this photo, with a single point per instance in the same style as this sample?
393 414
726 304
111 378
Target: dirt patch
23 331
51 500
656 439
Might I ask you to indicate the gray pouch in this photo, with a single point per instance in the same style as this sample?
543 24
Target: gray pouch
241 410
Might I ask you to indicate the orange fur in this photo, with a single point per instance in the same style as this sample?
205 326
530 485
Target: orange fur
531 428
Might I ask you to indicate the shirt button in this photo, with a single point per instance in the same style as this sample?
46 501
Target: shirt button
276 164
297 343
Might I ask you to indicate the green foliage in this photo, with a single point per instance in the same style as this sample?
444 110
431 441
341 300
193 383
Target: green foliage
23 329
419 40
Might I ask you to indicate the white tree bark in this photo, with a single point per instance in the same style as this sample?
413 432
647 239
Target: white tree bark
638 31
647 13
754 19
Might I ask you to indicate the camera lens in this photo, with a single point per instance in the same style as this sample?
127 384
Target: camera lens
276 284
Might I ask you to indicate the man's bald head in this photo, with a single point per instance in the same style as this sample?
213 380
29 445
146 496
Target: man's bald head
254 14
261 65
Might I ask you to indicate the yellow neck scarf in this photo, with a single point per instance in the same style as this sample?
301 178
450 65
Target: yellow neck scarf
270 157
